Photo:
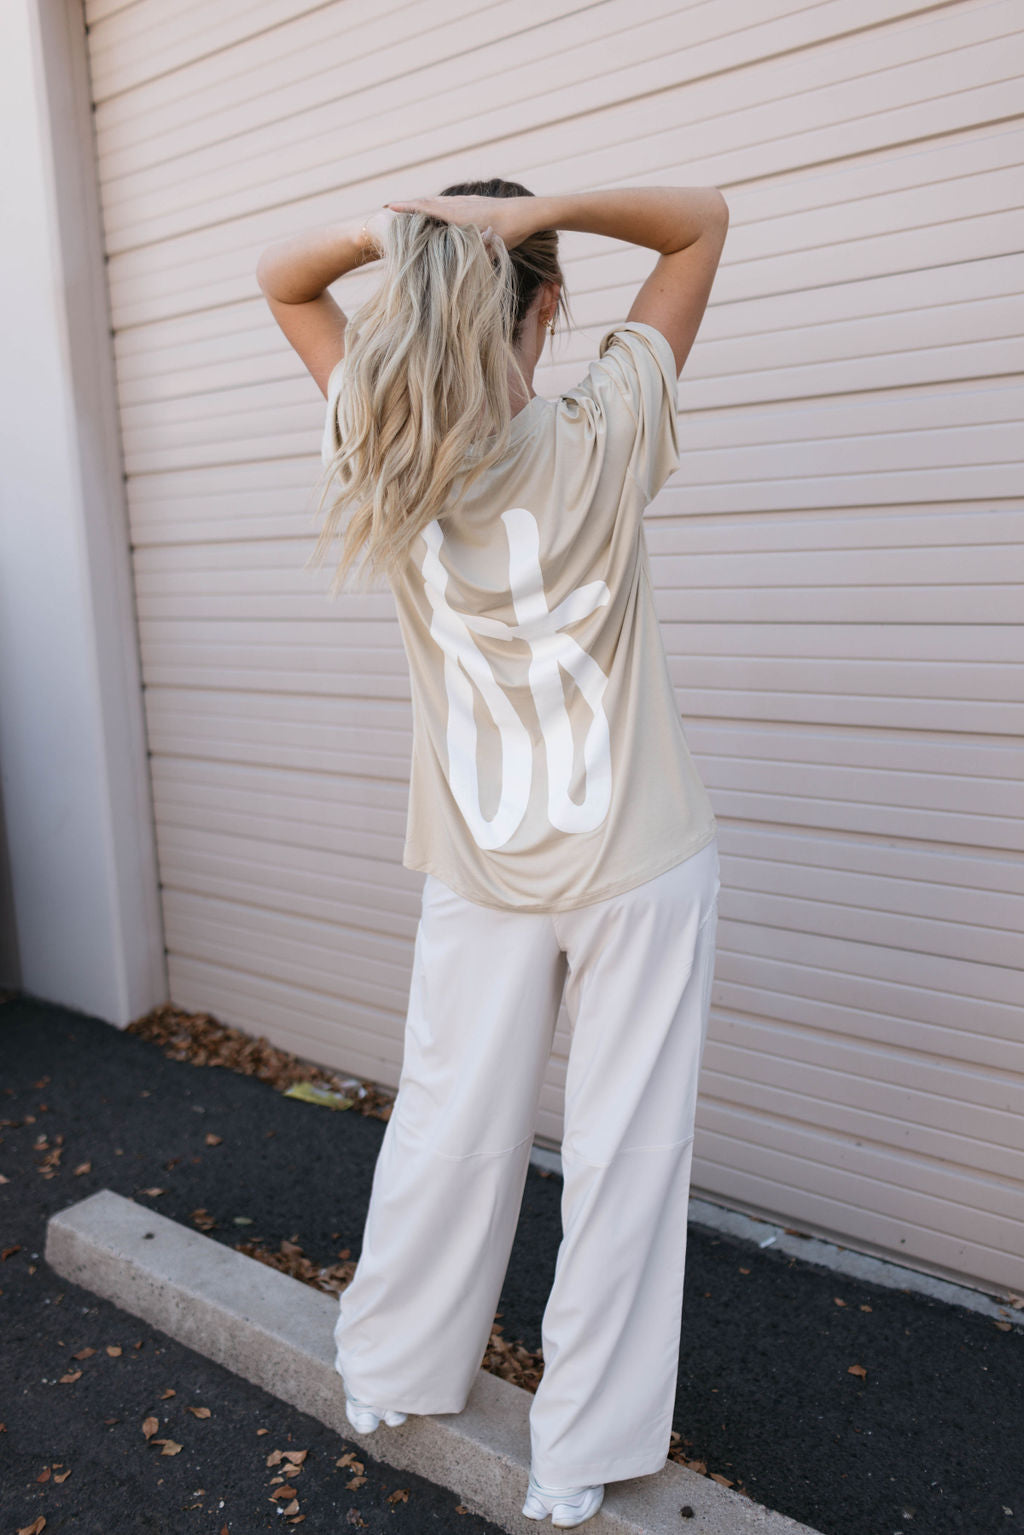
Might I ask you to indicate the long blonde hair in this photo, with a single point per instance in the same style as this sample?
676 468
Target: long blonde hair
423 404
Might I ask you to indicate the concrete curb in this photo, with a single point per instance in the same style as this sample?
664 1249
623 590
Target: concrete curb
277 1333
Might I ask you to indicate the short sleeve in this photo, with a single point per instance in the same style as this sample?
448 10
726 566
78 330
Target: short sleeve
632 387
331 440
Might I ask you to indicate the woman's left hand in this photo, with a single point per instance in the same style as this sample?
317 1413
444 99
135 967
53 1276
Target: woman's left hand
511 218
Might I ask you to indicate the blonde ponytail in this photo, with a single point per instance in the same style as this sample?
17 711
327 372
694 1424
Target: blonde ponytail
423 407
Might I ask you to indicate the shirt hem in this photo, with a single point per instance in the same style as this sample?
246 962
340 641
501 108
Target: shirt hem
618 887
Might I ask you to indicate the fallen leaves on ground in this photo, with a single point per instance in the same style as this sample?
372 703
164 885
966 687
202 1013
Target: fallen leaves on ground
857 1369
35 1528
289 1258
150 1426
50 1164
292 1462
53 1472
203 1041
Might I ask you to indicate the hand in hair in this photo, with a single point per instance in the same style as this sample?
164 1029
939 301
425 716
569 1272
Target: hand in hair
514 219
376 227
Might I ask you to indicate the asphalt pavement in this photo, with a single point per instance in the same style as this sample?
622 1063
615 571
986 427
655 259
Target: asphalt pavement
851 1407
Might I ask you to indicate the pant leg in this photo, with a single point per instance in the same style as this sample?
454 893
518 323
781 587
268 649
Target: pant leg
638 996
416 1318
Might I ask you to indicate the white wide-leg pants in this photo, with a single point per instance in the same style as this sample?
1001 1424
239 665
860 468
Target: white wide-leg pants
415 1320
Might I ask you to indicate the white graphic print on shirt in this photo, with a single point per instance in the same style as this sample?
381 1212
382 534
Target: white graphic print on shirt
550 650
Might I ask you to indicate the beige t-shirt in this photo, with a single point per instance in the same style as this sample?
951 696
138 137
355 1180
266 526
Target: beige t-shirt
549 764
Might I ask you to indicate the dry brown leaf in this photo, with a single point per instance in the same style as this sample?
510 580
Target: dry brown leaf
293 1507
857 1369
83 1167
9 1252
1017 1301
865 1308
62 1476
282 1492
296 1456
1004 1326
275 1457
150 1426
400 1495
260 1431
44 1475
350 1458
169 1446
114 1350
744 1271
723 1479
153 1193
200 1412
169 1392
356 1481
213 1140
35 1528
4 1179
84 1353
838 1301
66 1380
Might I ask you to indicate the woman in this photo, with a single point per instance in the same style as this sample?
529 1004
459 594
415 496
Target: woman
568 844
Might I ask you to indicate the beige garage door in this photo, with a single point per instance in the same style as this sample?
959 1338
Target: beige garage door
838 560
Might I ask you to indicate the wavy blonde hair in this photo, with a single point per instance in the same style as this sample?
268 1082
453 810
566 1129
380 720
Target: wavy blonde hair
423 404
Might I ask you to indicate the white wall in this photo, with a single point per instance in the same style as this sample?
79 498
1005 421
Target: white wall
87 925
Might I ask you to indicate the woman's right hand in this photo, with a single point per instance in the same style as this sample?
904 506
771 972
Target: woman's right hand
511 218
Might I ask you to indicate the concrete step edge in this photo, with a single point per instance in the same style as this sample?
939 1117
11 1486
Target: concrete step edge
276 1332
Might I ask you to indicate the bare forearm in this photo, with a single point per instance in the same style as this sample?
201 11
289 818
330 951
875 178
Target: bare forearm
664 219
298 269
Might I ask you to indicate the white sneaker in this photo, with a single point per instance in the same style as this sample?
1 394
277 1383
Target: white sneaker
567 1506
364 1418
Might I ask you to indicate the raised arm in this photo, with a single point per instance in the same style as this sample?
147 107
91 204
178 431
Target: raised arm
294 276
687 226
